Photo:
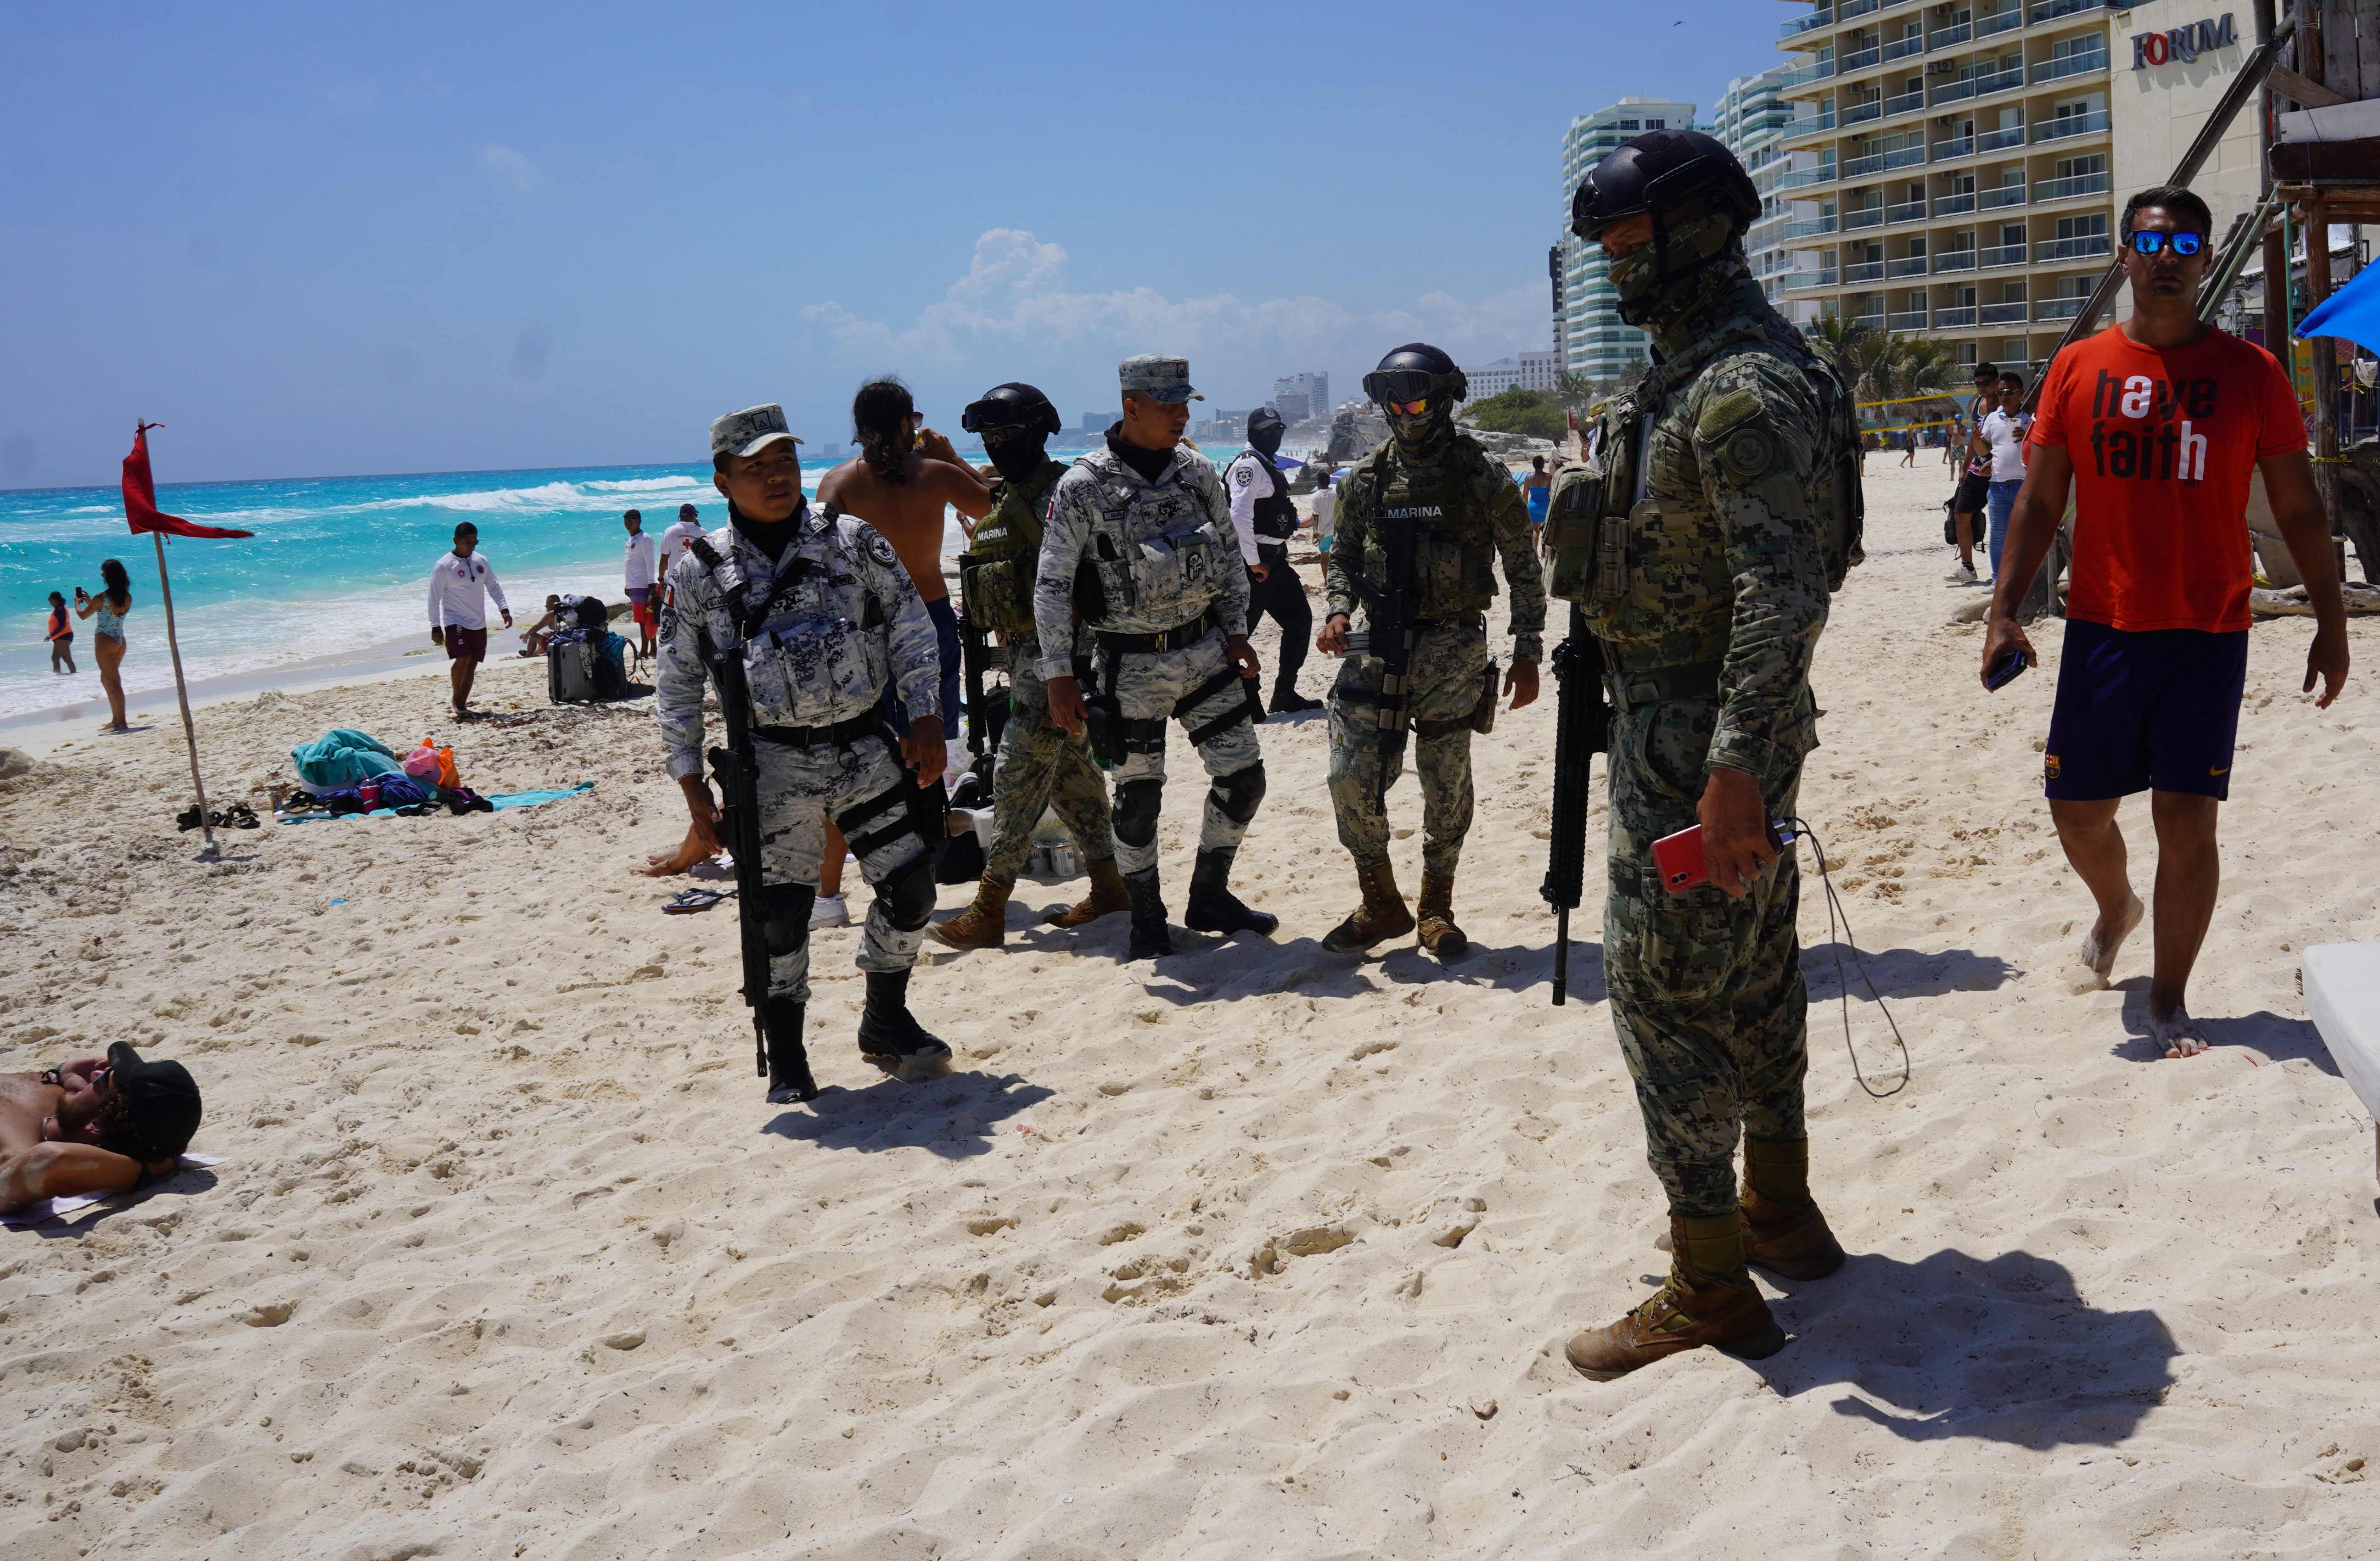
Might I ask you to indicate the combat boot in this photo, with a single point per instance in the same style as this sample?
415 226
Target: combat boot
1710 1299
890 1035
1382 915
1213 907
1438 933
1107 896
1286 699
1150 937
789 1064
983 924
1789 1235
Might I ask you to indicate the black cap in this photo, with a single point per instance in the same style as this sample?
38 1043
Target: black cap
164 1098
685 512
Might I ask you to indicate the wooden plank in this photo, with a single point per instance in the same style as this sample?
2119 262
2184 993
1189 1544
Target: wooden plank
2326 161
2304 94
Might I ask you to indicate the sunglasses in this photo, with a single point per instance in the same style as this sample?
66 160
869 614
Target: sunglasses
1410 409
2148 243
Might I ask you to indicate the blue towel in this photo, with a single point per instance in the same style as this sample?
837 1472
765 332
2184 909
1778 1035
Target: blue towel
343 756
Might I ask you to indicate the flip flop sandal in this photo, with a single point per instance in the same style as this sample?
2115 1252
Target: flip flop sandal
687 901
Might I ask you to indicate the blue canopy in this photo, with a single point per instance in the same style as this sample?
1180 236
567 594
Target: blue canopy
2353 313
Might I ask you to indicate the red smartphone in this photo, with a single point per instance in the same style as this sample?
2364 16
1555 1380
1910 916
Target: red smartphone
1679 857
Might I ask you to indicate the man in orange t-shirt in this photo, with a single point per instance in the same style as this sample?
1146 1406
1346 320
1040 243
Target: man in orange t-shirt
2157 424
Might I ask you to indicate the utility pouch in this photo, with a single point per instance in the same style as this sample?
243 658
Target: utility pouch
1255 704
1103 724
1483 715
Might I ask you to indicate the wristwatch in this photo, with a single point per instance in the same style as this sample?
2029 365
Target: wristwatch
50 1076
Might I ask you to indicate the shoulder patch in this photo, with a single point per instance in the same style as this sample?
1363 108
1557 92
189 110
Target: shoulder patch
1748 452
882 550
1245 473
1725 414
669 619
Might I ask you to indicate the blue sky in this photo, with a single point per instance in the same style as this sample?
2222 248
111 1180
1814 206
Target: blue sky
321 239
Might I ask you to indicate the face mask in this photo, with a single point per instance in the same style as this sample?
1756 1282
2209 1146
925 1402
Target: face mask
1266 437
1652 293
1016 459
1417 429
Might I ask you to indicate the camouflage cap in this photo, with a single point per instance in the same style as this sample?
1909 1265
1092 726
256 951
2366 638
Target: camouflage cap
746 432
1159 379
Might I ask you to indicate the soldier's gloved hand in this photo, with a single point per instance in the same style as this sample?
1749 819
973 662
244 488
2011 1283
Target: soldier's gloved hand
1333 640
1066 707
1736 844
923 750
1243 656
1521 683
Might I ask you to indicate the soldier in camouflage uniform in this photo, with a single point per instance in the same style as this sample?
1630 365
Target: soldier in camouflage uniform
1138 535
1040 765
822 616
1458 510
1703 546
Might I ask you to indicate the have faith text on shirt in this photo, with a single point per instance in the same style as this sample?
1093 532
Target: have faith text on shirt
2163 441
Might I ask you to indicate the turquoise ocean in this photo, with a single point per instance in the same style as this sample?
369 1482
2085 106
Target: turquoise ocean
339 565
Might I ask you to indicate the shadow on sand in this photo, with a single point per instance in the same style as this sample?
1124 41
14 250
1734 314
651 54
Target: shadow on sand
954 1116
183 1184
2268 1034
2000 1349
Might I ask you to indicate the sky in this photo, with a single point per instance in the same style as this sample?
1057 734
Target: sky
327 240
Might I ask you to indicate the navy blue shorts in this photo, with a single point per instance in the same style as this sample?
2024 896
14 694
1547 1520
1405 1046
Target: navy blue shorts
2139 710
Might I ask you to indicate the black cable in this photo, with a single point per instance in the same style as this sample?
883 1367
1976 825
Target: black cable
1842 939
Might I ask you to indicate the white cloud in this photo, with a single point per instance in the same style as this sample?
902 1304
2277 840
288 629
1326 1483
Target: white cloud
1015 296
509 170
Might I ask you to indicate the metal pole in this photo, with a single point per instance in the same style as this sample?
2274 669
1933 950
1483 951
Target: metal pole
2326 363
2277 249
182 696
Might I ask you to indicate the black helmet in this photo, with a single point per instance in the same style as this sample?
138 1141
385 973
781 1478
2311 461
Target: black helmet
1416 371
1656 172
1014 405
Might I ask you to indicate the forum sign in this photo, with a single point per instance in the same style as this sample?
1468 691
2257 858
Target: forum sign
2182 44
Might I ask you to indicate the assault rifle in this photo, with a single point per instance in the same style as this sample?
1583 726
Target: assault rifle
987 709
1581 729
1393 626
738 771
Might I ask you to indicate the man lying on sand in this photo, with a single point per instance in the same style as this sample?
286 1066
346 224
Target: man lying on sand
92 1125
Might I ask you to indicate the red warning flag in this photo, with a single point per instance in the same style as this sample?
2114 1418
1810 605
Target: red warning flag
140 508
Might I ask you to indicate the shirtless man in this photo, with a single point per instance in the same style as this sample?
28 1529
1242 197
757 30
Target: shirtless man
904 476
92 1125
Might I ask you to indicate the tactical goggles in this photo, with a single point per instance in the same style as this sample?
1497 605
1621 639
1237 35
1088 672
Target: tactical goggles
2146 241
1404 386
991 417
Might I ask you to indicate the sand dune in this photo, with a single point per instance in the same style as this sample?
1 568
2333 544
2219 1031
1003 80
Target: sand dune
1257 1252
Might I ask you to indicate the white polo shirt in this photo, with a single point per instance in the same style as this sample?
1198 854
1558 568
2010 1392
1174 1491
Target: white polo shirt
458 591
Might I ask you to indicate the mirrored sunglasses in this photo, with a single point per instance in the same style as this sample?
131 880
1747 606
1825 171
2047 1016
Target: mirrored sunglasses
2148 243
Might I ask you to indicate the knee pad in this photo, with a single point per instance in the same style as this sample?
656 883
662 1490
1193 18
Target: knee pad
908 894
1237 793
785 916
1136 807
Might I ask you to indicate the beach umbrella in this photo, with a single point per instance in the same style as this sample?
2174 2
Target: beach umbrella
2353 313
141 513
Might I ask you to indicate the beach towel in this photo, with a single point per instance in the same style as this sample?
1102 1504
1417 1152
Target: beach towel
51 1208
342 757
496 804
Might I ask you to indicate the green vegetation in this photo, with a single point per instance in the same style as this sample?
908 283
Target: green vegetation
1528 413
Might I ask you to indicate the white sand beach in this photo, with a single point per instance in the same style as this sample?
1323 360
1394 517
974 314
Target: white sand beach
1255 1252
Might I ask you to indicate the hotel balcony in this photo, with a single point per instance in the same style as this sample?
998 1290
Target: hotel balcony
1960 318
1981 84
1866 216
1948 37
1907 320
1810 23
2000 21
1954 259
1951 205
2070 186
2070 64
1905 212
2050 10
1908 265
2070 125
2088 247
1994 256
1803 281
2001 314
1802 75
2051 309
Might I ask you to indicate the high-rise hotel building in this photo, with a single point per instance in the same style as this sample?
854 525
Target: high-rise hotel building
1951 167
1589 337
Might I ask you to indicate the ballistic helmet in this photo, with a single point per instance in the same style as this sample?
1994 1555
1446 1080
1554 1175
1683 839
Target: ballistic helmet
1012 407
1416 371
1657 172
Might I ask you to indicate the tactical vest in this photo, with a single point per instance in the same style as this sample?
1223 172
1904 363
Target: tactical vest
1594 519
808 660
1276 513
996 571
1153 548
1454 537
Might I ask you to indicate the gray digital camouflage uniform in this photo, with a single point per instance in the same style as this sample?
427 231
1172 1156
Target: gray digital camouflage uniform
852 622
1709 641
1163 556
1468 513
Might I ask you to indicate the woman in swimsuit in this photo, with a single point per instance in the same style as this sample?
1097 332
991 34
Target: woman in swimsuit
112 602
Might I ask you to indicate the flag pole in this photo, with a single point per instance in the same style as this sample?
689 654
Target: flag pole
182 696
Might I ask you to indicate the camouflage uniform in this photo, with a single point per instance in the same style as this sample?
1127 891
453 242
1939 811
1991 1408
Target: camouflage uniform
1709 639
1040 765
1466 505
1163 558
821 658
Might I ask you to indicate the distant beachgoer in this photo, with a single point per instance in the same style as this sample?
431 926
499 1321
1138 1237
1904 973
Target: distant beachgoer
534 637
1326 511
460 584
113 601
2001 434
637 578
1909 447
92 1125
61 635
1538 488
674 541
899 483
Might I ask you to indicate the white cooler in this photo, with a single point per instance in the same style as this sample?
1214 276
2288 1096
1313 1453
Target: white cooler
2342 992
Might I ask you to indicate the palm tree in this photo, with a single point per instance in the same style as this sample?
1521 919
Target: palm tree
1883 366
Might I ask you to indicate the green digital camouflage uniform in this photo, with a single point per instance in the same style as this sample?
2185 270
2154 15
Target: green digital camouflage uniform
1040 765
1468 511
1724 594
